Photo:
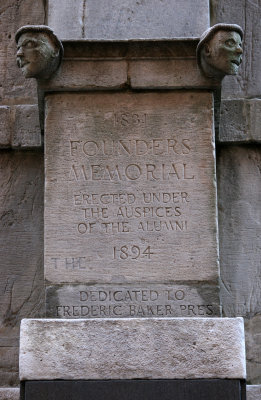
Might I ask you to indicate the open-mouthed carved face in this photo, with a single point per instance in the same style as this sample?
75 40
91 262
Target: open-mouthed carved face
224 52
35 54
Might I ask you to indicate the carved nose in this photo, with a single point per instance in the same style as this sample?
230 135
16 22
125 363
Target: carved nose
19 52
239 50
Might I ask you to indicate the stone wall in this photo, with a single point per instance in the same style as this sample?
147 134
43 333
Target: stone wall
239 172
21 190
21 185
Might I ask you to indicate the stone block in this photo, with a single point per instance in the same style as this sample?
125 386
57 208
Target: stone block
9 393
27 132
239 234
134 172
89 75
240 229
166 74
253 392
21 238
5 126
240 121
131 19
160 348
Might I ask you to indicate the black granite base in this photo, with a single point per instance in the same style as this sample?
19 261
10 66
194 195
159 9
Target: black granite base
187 389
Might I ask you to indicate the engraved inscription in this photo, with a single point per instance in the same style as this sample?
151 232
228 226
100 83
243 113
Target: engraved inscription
130 193
139 301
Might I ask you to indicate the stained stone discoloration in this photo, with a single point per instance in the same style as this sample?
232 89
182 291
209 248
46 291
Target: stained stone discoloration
172 348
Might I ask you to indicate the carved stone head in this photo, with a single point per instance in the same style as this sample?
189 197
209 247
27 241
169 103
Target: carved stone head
219 51
39 51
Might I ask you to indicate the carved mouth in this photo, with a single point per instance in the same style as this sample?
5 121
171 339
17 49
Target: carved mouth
235 62
24 63
21 62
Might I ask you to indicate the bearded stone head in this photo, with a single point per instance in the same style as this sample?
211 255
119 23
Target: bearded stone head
219 51
39 51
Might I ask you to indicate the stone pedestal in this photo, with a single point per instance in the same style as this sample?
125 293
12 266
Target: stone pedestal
191 358
131 228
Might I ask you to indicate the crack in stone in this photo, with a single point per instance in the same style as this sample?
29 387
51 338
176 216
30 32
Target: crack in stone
83 18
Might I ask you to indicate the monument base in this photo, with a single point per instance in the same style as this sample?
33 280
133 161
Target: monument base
140 357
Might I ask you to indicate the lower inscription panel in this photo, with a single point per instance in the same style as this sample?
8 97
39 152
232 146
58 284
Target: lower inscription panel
151 300
202 389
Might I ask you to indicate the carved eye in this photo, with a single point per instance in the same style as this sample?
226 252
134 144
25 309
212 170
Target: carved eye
230 42
30 44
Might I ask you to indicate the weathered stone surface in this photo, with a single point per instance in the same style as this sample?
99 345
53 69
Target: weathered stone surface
27 131
172 348
247 14
134 172
9 393
253 392
21 237
5 126
159 64
129 19
14 88
240 229
82 301
240 250
240 121
239 169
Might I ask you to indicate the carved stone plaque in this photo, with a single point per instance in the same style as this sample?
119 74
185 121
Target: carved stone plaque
130 189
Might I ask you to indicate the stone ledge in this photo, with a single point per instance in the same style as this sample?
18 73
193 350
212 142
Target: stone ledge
162 348
9 393
253 392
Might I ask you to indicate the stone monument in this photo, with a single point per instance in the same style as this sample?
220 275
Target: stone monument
131 235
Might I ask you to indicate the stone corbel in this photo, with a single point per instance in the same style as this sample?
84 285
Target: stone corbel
219 51
39 51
